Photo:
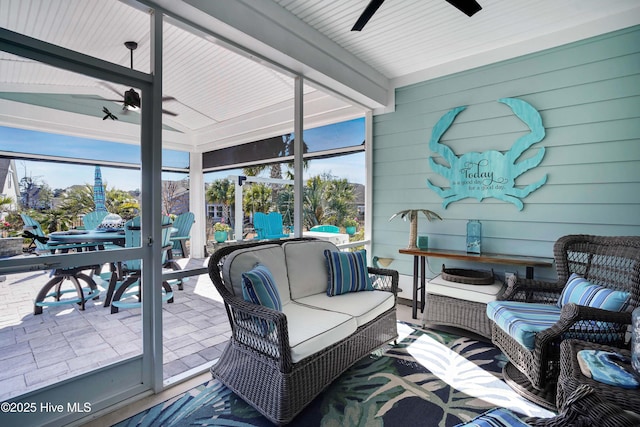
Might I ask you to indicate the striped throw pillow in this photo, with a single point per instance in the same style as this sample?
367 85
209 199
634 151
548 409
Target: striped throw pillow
347 272
259 287
578 290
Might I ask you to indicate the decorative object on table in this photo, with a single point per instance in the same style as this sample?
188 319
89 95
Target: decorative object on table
221 232
635 340
423 242
350 226
111 222
607 367
469 277
474 236
412 215
491 173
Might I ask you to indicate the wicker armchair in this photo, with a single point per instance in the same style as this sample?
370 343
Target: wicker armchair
258 367
610 262
585 408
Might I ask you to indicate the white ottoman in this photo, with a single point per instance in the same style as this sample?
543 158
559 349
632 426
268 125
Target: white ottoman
460 305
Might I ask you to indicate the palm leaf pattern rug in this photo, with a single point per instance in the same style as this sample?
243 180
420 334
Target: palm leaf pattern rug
428 378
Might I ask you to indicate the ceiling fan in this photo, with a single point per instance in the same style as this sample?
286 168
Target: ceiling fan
131 98
468 7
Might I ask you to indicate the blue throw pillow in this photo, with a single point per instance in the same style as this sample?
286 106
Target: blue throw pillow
347 272
578 290
259 287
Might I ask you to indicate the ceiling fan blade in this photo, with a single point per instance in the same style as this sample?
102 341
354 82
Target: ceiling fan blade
99 98
111 88
468 7
371 8
169 113
168 98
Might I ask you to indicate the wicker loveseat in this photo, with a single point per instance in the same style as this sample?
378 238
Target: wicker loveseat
279 361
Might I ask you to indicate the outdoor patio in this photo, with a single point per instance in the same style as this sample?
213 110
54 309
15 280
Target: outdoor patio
64 341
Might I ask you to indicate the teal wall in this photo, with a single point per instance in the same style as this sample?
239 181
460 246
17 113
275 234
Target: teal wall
588 94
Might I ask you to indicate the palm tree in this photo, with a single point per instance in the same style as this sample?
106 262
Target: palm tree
412 214
258 196
340 195
5 201
122 203
314 211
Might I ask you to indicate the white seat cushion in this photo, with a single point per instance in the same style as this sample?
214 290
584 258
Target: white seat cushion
312 330
476 293
363 306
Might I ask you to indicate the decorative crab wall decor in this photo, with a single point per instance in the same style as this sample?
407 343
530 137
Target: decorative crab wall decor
491 173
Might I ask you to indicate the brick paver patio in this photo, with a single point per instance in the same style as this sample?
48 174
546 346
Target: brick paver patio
63 341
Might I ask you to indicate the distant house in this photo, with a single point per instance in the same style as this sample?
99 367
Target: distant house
9 185
359 200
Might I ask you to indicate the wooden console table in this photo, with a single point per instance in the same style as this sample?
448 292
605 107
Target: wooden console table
420 256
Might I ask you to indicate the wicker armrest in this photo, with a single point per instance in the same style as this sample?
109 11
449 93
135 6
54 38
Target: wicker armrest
584 408
261 329
590 322
385 279
534 291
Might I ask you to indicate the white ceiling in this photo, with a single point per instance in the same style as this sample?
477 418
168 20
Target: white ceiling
227 89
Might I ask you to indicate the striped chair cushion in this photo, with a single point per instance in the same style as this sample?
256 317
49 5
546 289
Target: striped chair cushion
497 417
523 320
347 272
578 290
259 287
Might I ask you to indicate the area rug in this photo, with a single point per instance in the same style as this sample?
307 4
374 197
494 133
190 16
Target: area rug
428 378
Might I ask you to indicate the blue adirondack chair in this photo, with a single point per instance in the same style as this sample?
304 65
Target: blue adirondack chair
40 242
182 223
92 220
125 291
268 226
274 220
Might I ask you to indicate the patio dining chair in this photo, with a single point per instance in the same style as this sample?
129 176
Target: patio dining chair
597 288
182 224
52 293
40 242
124 290
92 220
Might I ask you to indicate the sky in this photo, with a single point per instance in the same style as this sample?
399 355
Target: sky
59 175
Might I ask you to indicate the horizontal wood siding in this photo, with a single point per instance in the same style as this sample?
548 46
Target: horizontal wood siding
588 94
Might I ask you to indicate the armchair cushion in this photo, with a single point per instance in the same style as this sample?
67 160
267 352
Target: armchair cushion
259 287
578 290
521 320
347 272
